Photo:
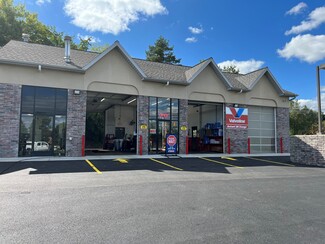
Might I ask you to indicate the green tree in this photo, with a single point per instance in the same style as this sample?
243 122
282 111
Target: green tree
303 121
16 20
99 48
230 69
161 52
11 19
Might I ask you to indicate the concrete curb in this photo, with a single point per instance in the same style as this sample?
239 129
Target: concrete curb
218 155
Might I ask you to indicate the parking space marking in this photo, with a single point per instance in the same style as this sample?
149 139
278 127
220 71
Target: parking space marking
93 166
270 161
218 162
233 159
121 160
168 165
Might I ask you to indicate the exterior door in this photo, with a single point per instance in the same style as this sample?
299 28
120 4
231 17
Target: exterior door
163 130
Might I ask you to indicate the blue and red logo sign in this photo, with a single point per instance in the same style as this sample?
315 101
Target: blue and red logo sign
171 144
236 118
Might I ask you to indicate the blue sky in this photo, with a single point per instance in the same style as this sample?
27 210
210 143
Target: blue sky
287 36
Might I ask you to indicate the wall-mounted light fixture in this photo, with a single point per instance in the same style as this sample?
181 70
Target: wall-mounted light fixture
76 92
235 105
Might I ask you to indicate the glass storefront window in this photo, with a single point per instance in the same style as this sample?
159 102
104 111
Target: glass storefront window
61 99
152 135
43 121
163 120
164 108
26 134
44 100
153 108
28 98
59 135
174 109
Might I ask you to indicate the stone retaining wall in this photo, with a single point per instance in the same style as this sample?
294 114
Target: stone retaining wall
308 149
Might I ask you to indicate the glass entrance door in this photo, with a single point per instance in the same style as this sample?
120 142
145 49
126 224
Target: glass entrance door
43 138
163 130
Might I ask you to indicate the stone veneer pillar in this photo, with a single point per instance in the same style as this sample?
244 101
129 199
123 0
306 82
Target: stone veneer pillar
10 100
238 138
142 121
76 122
283 129
183 114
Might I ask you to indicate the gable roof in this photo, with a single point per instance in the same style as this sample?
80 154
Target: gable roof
161 71
18 52
29 54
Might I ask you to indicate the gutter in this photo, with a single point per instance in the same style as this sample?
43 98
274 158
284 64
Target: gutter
239 90
46 66
181 83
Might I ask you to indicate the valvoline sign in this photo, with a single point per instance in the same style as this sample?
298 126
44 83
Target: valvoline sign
236 118
171 144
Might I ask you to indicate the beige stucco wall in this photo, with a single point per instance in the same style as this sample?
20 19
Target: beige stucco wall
114 74
208 87
12 74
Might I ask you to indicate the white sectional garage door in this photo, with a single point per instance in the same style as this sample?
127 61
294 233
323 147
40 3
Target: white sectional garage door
261 129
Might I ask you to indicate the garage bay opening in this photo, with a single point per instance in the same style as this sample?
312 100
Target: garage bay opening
205 127
111 124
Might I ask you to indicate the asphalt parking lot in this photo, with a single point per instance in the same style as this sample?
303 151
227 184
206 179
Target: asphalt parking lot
162 200
197 164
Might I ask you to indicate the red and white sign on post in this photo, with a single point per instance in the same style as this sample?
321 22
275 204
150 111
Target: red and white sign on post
171 144
236 118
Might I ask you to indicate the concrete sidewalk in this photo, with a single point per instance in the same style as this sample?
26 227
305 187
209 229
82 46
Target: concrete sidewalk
52 158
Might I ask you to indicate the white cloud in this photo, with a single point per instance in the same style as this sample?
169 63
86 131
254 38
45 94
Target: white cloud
41 2
93 39
308 48
297 9
110 16
312 103
243 66
315 19
191 39
195 30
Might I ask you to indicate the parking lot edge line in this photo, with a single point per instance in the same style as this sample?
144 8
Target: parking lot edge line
269 161
93 166
214 161
160 162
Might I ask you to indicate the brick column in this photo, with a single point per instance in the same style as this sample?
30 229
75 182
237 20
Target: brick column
283 128
183 114
10 100
76 122
143 119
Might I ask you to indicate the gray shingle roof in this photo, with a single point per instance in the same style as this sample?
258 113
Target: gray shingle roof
29 53
161 71
248 79
233 79
190 72
45 55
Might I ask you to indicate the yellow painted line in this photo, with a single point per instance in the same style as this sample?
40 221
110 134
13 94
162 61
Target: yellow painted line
270 161
218 162
168 165
121 160
93 166
233 159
